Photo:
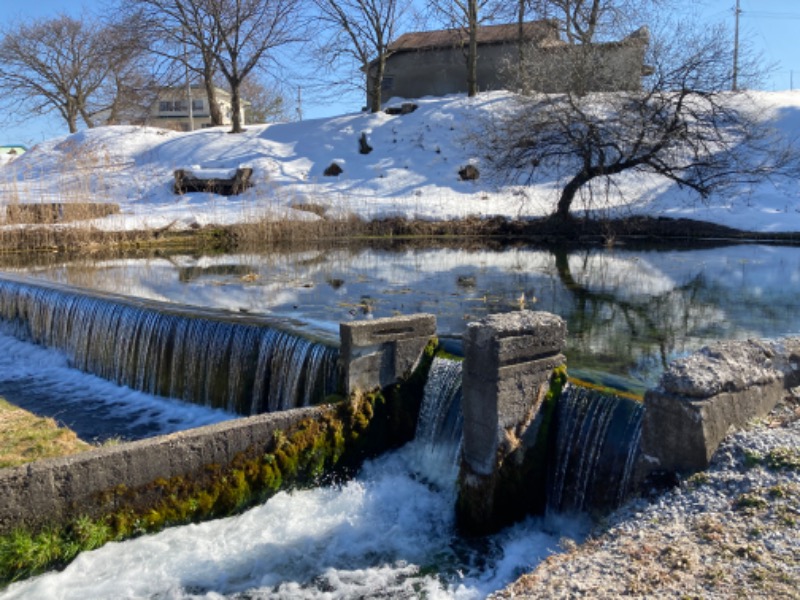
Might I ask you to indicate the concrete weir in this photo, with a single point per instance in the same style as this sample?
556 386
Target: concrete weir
508 363
512 376
216 470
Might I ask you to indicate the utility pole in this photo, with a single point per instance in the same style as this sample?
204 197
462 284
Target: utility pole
735 84
299 108
188 84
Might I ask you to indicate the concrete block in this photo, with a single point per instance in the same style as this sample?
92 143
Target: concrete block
508 360
377 353
680 434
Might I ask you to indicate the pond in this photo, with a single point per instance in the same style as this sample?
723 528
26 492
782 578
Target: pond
390 531
629 311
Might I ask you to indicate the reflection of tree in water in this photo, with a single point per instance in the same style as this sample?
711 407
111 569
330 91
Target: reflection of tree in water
630 333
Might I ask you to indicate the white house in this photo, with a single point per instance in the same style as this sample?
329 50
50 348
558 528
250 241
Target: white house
170 109
9 152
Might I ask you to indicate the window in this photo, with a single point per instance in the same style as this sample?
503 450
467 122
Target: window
197 105
181 106
165 106
387 84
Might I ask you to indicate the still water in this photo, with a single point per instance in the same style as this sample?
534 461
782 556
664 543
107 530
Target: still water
629 312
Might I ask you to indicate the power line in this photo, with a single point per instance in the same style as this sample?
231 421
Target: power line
770 15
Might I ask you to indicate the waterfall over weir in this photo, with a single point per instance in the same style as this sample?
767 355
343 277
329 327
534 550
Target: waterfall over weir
206 357
597 444
596 440
441 422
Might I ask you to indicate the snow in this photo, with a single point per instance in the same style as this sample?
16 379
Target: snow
412 172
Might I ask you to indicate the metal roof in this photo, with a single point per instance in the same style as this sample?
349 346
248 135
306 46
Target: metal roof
533 32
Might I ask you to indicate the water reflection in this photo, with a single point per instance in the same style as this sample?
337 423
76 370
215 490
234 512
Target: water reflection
628 311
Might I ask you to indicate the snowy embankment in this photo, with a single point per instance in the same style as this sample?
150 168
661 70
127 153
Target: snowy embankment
412 171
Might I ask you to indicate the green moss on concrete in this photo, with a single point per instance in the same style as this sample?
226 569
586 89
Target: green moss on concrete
331 444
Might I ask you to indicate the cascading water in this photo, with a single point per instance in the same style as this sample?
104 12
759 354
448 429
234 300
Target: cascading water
196 356
597 445
441 422
389 533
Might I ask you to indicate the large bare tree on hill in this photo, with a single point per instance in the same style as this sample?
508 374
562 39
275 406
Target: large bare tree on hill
466 17
183 33
682 125
248 31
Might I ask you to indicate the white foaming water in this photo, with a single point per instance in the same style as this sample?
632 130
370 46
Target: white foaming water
387 534
41 380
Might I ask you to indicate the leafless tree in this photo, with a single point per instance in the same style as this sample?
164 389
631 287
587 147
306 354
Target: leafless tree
248 31
466 16
587 21
184 34
362 31
128 92
57 65
682 126
266 102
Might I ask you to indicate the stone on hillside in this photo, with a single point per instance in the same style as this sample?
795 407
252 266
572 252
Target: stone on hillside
333 170
469 173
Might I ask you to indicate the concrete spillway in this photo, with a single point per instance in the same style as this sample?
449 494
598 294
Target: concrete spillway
241 364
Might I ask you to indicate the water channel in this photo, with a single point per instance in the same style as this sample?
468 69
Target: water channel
389 532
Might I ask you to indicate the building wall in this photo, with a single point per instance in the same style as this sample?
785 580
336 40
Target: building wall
437 72
177 116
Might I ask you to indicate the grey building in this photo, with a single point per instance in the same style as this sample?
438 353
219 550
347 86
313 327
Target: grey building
433 63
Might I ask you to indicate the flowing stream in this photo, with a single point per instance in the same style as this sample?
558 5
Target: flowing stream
389 533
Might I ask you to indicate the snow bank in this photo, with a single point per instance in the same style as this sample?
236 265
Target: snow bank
412 172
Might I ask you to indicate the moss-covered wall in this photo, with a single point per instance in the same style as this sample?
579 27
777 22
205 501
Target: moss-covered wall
52 510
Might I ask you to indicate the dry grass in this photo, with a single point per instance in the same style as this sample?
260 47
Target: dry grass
25 438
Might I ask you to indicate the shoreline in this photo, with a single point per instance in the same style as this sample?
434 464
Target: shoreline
494 230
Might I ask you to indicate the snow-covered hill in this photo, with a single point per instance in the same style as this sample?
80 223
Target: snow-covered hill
412 171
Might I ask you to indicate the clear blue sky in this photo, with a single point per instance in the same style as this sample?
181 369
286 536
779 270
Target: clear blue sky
773 27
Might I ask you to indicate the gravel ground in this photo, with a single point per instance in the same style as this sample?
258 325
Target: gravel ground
732 531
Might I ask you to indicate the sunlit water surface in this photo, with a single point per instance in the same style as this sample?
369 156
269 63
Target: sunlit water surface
629 312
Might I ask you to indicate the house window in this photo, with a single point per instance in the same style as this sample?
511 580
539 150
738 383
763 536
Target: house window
165 106
387 84
197 105
181 106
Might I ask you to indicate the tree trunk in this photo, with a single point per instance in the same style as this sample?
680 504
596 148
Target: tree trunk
472 52
236 109
377 83
569 192
214 110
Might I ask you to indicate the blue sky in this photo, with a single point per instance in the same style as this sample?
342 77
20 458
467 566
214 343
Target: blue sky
772 26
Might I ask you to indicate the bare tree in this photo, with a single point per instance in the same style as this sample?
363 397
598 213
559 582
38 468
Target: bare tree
466 16
361 30
248 30
587 21
128 92
682 126
183 33
56 65
266 103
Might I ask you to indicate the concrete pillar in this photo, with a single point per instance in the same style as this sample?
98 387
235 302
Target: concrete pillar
508 362
377 353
